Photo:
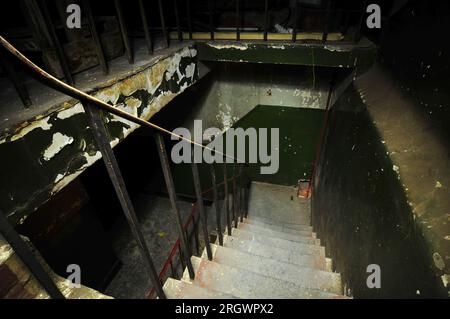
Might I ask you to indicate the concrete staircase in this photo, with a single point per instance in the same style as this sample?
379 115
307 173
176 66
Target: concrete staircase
273 253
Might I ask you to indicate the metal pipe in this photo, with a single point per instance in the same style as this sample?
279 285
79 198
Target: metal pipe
56 45
103 145
173 200
148 38
22 249
216 204
124 32
95 37
227 208
201 207
163 23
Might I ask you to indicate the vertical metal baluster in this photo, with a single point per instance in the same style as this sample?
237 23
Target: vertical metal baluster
124 32
173 200
189 241
17 82
266 18
103 145
56 45
181 257
177 19
238 21
216 204
360 23
211 18
241 212
197 244
294 30
148 38
173 274
201 207
188 11
235 213
163 23
227 203
95 36
23 250
327 22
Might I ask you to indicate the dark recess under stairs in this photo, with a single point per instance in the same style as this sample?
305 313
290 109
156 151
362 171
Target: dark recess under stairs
273 253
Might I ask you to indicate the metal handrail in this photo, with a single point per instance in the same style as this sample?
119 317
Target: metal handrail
82 96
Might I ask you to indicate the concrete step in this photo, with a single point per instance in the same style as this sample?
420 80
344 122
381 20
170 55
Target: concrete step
277 227
299 244
297 235
270 221
246 284
176 289
288 256
302 276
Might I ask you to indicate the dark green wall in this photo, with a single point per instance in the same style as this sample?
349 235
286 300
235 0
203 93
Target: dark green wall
361 213
299 130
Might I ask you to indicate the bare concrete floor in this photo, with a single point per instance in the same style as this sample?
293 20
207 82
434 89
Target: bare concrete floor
159 228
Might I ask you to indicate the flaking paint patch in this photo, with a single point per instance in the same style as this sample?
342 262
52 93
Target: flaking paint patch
71 111
59 141
241 47
336 48
38 124
62 180
5 252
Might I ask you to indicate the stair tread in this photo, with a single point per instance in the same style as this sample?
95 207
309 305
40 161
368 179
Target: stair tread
270 221
306 277
277 226
246 284
299 244
298 235
176 289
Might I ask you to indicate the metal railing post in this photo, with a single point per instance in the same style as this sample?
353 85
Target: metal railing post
238 20
266 18
235 214
124 32
95 37
148 38
24 252
173 200
104 146
188 12
241 212
163 23
216 204
201 207
227 203
177 19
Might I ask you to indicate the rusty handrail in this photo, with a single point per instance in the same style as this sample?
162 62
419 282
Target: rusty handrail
82 96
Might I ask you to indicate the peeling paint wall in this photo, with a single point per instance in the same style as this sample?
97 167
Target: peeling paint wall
239 87
46 153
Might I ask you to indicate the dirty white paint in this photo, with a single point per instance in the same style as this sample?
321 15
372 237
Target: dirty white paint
190 71
59 141
277 46
5 251
337 48
62 180
38 124
67 113
241 47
